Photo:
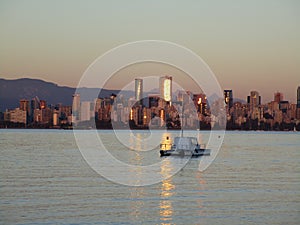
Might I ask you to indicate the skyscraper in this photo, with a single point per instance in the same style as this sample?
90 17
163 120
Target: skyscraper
24 105
228 98
298 97
76 106
85 111
254 100
298 103
165 88
138 89
278 97
43 104
200 102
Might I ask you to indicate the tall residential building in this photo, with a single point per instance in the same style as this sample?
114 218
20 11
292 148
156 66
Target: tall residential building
55 116
18 116
228 98
165 88
200 102
24 105
138 89
278 97
85 112
298 103
254 100
298 97
35 103
43 104
76 106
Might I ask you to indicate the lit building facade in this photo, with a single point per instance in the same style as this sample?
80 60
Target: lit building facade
43 104
254 100
165 88
18 116
200 103
228 97
139 90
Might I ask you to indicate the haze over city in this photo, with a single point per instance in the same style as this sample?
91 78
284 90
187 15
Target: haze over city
249 45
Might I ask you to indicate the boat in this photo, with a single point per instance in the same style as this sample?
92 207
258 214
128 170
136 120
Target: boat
183 146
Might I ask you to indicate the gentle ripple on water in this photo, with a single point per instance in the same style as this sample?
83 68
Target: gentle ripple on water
45 180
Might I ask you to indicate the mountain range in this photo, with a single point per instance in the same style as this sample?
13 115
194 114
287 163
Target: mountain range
12 91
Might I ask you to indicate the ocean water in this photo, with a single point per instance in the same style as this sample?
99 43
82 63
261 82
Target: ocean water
253 180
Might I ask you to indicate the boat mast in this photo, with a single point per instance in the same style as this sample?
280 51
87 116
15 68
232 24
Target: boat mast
182 110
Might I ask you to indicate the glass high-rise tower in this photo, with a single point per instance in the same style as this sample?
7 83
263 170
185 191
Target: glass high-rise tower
139 90
76 106
228 98
298 97
165 88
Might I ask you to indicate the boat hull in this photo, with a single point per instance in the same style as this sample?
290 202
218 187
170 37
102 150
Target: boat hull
182 153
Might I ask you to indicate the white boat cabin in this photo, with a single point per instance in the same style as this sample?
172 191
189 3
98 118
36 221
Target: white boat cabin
185 143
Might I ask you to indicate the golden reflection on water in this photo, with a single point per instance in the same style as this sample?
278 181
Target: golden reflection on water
137 203
201 186
167 191
136 157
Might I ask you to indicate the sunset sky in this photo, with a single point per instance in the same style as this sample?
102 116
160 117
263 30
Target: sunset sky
249 45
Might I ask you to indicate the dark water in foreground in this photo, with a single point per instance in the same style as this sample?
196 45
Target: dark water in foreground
254 180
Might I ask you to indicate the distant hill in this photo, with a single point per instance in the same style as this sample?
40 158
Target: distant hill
11 91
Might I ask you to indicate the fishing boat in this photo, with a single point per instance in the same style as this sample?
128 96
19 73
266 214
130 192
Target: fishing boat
183 146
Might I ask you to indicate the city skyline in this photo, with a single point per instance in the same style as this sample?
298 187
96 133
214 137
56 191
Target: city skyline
157 111
246 46
162 108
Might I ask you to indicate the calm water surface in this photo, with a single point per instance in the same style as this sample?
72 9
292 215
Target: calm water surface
45 180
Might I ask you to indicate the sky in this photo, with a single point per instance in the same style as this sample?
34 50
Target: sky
249 45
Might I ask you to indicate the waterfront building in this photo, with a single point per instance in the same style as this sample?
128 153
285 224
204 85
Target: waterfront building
254 99
85 111
55 118
24 105
18 116
98 102
76 107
